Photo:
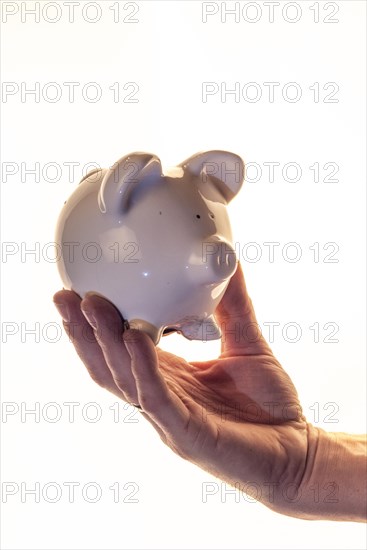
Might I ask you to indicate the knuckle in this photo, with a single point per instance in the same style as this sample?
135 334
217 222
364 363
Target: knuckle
107 335
120 382
69 330
154 403
98 379
146 405
148 402
181 449
163 438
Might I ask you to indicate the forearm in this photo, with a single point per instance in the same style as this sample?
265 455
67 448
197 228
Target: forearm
334 484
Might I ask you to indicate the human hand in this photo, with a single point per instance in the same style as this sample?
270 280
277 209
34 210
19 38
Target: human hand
237 416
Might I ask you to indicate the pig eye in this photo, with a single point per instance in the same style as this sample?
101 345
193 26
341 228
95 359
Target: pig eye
198 216
211 215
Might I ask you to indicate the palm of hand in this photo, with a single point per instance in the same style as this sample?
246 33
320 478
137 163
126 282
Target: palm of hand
240 406
237 416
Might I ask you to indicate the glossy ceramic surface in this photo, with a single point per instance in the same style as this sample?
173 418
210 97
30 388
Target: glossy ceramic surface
157 245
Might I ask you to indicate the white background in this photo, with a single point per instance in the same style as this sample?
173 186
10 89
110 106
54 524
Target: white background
169 52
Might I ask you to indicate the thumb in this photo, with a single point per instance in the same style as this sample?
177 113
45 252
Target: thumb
241 333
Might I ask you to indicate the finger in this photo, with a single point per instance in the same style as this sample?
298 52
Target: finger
241 333
161 433
82 336
165 408
108 329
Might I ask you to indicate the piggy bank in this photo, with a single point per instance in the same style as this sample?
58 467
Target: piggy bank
157 244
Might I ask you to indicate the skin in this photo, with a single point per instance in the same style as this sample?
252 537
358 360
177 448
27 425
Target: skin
237 416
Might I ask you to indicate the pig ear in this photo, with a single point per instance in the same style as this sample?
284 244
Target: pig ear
137 170
225 170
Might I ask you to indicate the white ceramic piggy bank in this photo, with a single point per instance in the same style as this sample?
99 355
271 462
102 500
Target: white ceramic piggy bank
157 245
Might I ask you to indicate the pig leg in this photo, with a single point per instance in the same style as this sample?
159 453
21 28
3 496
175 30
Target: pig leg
201 329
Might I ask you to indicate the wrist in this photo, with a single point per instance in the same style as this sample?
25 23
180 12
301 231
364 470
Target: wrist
333 484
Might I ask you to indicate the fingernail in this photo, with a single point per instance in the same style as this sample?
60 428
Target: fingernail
90 318
63 310
91 293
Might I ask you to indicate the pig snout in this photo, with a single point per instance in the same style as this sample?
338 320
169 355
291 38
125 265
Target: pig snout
219 258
